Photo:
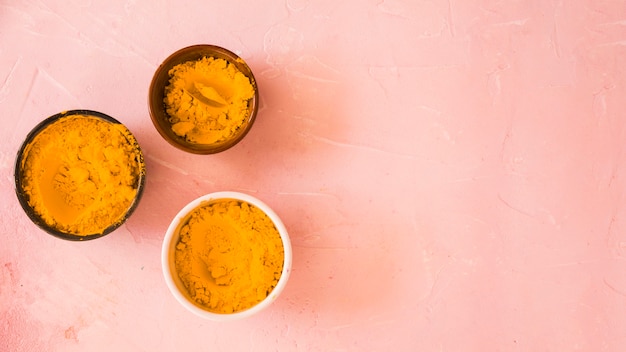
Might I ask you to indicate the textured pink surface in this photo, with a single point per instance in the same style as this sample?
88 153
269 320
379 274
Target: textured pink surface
451 173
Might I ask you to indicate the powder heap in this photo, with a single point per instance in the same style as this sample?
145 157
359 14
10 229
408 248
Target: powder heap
80 174
207 100
229 256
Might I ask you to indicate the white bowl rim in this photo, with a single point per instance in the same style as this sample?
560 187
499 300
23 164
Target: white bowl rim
168 271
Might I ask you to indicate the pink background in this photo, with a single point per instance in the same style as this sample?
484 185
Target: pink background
451 173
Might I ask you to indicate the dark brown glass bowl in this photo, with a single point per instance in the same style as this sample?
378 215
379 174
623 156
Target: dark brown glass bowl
161 78
22 196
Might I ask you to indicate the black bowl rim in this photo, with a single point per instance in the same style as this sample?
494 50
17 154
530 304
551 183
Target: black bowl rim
202 50
22 197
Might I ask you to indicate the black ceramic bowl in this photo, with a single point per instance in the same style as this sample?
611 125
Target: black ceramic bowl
22 194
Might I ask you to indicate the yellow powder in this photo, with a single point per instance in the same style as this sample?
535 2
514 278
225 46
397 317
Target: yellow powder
81 174
207 100
229 256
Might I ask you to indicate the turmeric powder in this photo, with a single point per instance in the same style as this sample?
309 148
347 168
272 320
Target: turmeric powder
229 256
81 173
207 100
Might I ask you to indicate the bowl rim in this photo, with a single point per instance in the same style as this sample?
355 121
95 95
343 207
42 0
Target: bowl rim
22 197
156 92
171 238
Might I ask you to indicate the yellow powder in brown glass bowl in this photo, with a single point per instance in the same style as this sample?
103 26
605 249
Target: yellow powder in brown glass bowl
203 99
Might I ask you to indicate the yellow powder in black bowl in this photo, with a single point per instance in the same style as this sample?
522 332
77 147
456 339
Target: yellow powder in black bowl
80 174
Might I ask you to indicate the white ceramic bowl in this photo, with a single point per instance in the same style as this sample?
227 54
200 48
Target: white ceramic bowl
175 284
